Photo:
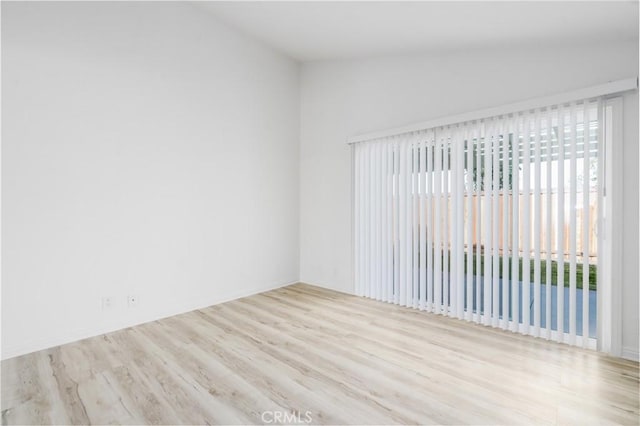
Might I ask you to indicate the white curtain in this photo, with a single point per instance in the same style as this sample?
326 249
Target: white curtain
491 221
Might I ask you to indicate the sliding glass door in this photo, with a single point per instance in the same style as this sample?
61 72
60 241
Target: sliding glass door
493 221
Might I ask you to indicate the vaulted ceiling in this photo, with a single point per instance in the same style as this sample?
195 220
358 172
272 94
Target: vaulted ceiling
309 30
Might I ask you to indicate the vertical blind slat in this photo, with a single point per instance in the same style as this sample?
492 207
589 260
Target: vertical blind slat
561 222
470 224
358 221
415 229
429 178
536 230
479 234
488 171
572 228
526 224
585 223
406 236
549 141
396 223
437 227
366 230
383 206
459 223
515 274
504 303
445 219
376 271
495 184
422 223
408 230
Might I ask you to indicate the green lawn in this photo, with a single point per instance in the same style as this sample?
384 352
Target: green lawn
543 271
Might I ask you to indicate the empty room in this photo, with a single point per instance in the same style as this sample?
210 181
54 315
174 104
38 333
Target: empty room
305 212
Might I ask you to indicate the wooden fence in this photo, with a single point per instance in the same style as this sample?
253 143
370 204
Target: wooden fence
548 231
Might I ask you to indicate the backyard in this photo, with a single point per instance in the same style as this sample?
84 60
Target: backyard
593 276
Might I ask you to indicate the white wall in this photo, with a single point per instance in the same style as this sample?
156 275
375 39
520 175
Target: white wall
147 150
345 98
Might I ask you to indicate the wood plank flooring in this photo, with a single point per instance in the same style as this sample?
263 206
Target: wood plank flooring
314 354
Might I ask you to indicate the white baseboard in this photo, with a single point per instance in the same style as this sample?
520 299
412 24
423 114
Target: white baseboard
631 353
69 336
328 287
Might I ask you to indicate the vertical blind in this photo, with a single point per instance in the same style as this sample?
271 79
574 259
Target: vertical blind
491 221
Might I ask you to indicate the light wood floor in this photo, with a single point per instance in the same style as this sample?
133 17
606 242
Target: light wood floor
342 359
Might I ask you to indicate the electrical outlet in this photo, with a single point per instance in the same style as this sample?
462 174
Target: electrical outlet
133 301
107 303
